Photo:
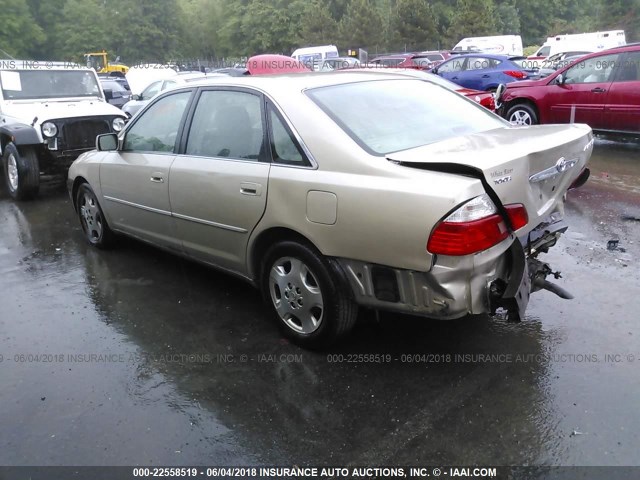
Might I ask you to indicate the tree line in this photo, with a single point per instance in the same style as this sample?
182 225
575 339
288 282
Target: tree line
164 30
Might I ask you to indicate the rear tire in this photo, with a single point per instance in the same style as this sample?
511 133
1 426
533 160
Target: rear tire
92 220
522 114
312 305
21 172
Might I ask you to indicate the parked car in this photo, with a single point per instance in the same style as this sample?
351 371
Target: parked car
137 102
486 99
339 63
339 190
601 89
422 61
481 71
48 116
114 92
556 62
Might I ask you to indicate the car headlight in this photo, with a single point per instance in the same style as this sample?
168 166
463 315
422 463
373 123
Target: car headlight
118 124
49 129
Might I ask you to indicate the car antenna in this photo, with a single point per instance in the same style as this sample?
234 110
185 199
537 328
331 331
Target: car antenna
1 50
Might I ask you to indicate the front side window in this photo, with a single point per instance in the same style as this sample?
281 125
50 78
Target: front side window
592 70
156 129
454 65
150 91
386 116
227 124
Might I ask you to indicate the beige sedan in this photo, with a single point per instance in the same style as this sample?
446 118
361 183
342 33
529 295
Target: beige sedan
334 191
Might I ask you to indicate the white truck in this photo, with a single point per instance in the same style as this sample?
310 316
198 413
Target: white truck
50 113
510 45
314 57
591 42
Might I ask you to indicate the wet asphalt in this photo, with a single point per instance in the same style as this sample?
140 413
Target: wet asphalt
135 357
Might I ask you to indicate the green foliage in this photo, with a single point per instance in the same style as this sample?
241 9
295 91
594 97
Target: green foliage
161 30
414 25
20 35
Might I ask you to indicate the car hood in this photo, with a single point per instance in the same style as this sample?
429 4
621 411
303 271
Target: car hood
527 83
534 166
26 112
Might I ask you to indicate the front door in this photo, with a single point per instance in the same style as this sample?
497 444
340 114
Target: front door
135 179
582 96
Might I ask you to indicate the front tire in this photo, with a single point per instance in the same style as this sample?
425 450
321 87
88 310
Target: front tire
311 302
94 224
522 114
21 172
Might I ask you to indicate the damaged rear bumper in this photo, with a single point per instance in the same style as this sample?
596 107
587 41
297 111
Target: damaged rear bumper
502 277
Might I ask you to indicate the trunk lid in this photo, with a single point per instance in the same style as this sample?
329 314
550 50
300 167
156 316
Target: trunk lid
530 165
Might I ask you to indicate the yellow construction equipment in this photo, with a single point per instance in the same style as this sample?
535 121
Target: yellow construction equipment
100 62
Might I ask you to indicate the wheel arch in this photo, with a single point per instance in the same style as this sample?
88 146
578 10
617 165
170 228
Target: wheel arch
19 134
264 240
521 100
79 180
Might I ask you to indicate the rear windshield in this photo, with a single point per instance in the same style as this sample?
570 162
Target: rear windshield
386 116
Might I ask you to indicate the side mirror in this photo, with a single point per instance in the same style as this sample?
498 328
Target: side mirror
434 70
560 80
135 96
107 142
108 94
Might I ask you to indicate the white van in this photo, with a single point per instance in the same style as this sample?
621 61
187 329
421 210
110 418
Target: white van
591 42
313 57
510 45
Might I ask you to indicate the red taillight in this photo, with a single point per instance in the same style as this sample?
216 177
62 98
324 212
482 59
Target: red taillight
518 215
465 238
488 102
515 73
475 226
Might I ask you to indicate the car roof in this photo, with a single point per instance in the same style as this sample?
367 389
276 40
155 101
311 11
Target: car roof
629 47
486 55
284 83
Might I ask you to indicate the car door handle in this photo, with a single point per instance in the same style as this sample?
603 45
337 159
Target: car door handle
250 188
454 78
486 76
157 178
598 90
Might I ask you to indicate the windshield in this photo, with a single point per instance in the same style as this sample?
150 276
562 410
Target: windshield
386 116
33 84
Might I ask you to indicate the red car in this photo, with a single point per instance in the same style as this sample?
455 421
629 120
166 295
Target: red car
601 89
419 60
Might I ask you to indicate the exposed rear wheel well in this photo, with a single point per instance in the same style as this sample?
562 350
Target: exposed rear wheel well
268 238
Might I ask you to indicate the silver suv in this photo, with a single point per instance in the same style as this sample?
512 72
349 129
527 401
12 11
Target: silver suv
50 113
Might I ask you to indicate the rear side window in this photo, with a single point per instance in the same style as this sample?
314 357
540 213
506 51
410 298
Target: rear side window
284 147
386 116
629 70
227 124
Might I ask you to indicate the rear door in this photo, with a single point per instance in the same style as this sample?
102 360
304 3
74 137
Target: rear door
478 72
219 182
582 97
622 110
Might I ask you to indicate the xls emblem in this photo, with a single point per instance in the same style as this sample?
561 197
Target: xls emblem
499 181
